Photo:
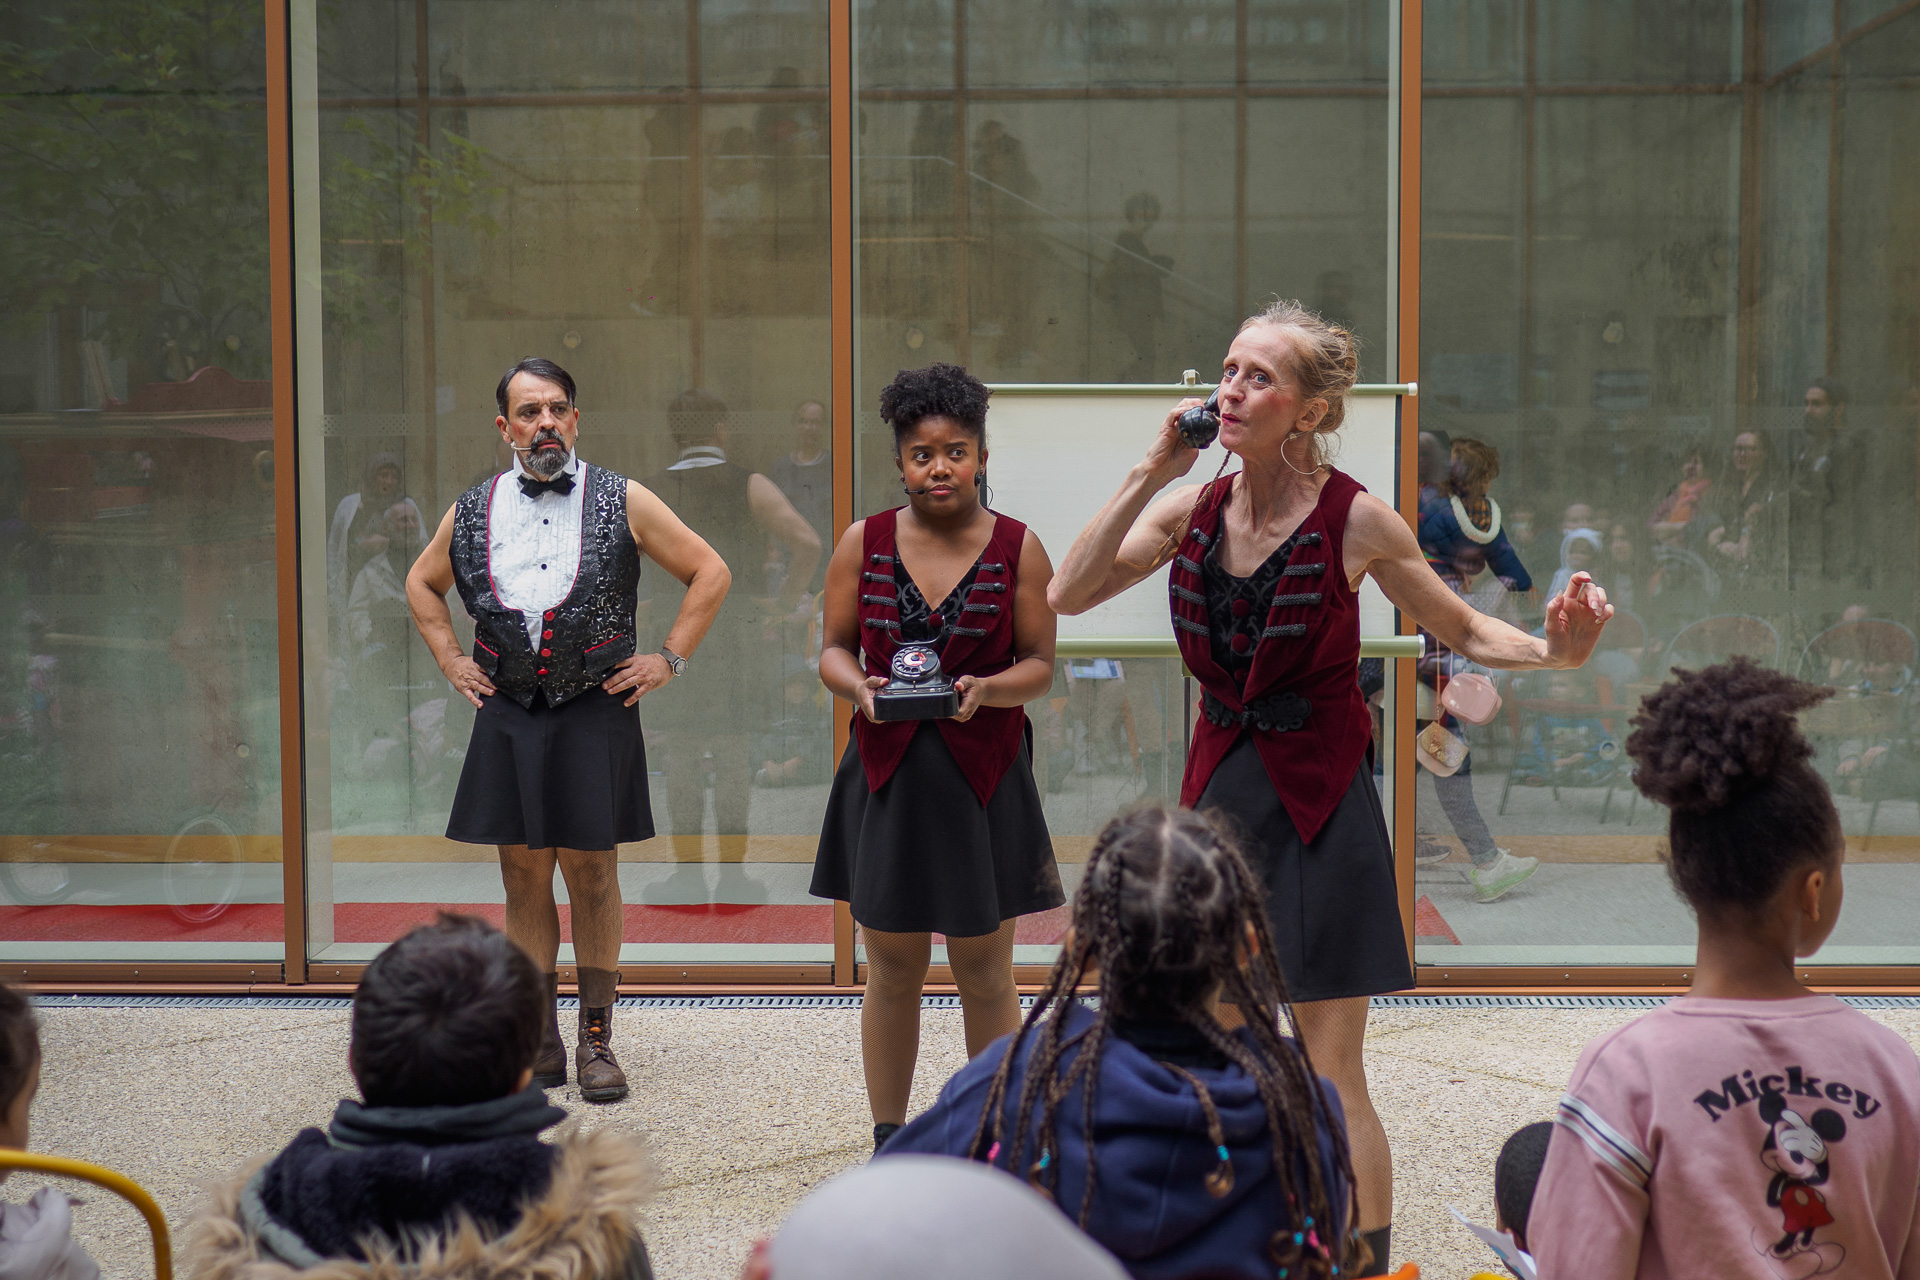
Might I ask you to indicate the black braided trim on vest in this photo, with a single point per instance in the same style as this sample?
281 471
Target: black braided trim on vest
1288 630
1301 597
1303 570
878 600
1188 624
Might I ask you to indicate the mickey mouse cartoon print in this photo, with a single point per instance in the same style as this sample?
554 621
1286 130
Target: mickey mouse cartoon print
1798 1150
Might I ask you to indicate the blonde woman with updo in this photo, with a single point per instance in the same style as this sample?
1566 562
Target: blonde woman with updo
1267 565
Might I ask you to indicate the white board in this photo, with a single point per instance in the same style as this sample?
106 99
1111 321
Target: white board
1057 453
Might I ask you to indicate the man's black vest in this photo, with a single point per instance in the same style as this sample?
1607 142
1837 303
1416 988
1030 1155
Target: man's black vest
583 635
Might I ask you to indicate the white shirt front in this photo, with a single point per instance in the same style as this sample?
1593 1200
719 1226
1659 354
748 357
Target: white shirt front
533 543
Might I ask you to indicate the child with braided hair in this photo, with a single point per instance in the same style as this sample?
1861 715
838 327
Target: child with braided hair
1750 1128
1184 1147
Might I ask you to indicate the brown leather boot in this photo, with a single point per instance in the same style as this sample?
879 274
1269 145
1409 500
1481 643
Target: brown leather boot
601 1079
550 1068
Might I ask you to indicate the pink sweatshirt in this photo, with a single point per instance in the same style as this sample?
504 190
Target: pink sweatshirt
1772 1139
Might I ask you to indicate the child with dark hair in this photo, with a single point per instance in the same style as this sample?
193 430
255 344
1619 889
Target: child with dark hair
1751 1127
1516 1176
440 1170
1183 1147
36 1238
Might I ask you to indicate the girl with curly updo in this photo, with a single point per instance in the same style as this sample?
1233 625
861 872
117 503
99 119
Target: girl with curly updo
1750 1127
1185 1148
1264 596
935 826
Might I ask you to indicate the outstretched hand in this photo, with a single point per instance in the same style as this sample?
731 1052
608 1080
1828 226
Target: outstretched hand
1575 618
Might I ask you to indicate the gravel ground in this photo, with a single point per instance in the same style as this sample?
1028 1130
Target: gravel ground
744 1110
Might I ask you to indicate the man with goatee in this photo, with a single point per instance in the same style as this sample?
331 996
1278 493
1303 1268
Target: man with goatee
546 558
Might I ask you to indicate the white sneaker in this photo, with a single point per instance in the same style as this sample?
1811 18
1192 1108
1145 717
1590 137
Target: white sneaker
1493 881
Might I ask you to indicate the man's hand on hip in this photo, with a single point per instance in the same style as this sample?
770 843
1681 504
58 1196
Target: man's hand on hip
638 676
464 674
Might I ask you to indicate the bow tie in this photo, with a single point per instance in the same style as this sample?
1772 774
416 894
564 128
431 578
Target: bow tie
561 484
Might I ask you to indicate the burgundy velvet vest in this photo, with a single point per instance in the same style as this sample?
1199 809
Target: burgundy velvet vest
1310 647
981 645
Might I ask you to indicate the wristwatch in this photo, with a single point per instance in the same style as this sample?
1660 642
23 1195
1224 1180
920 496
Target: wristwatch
674 660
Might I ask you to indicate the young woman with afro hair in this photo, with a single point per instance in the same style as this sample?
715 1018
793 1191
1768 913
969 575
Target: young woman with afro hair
935 826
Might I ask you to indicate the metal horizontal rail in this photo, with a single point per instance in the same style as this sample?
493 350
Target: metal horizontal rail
1167 647
1170 388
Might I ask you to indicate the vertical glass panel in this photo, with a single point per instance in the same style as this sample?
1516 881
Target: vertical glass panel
1674 317
551 183
139 730
1100 198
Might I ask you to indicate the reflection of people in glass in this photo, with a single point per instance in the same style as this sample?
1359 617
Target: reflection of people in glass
708 724
1676 520
1745 538
1266 569
547 559
805 476
935 826
1829 487
1462 537
1004 189
365 523
1131 283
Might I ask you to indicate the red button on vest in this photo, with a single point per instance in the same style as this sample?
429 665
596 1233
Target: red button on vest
1241 608
546 653
546 635
542 671
1240 643
549 615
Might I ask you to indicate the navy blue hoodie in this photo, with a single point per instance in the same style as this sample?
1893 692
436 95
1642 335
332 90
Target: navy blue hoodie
1151 1208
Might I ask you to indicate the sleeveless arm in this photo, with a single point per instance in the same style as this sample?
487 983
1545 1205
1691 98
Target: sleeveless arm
772 512
841 670
1133 534
1034 628
1379 543
666 540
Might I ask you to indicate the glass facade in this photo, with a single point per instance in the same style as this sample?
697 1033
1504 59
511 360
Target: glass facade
1667 281
639 194
1668 276
139 700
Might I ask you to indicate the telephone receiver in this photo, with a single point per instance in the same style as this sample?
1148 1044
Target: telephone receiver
1199 426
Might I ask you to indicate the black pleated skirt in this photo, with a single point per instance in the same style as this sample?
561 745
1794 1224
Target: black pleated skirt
923 855
570 777
1332 904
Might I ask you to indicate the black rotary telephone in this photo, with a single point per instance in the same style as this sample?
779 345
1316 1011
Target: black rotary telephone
1199 426
918 689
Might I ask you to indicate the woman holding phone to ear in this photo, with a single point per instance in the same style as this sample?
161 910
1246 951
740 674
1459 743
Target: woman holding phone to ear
1267 565
935 826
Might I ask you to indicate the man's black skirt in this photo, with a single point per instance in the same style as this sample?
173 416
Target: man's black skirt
568 777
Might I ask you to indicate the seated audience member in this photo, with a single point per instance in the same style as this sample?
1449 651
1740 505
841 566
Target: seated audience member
1564 747
440 1171
928 1218
1203 1150
1515 1175
1749 1128
36 1240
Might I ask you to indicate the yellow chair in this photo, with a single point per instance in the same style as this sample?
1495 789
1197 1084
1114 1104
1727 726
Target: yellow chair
118 1183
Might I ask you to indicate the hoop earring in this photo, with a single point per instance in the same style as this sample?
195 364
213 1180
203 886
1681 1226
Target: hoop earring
1289 461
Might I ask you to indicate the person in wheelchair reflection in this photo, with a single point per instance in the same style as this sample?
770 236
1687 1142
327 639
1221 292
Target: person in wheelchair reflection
934 824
